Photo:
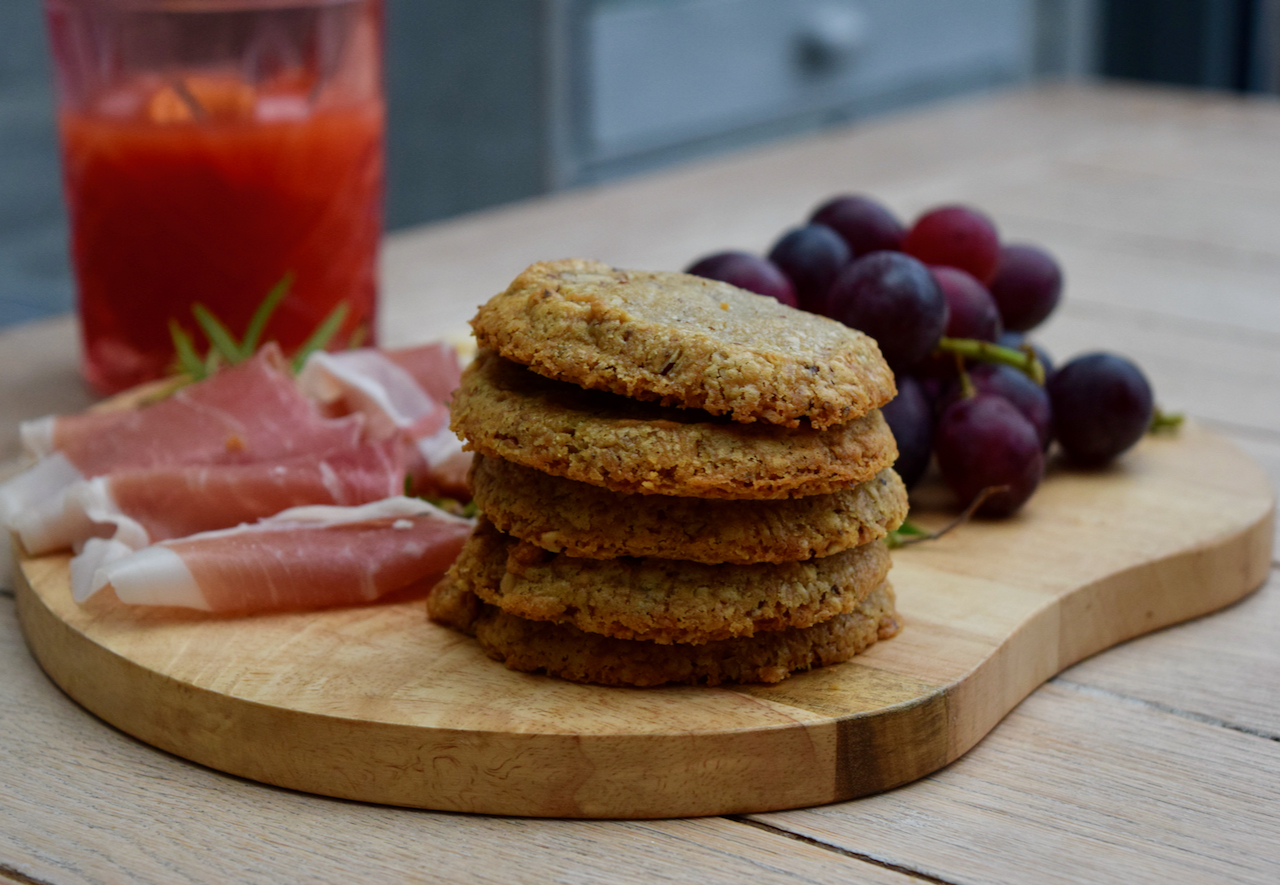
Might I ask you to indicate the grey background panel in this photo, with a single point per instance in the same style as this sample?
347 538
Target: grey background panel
35 277
464 93
664 73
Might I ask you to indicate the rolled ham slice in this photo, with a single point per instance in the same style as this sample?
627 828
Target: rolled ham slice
304 558
140 506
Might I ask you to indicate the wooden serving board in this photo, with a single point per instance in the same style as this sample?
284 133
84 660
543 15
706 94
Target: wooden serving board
378 704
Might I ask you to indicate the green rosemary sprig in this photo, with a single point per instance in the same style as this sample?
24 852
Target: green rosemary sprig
225 350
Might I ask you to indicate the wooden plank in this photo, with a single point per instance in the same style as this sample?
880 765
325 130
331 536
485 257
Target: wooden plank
85 803
1075 786
1202 217
1223 292
374 703
1240 137
1266 451
1222 667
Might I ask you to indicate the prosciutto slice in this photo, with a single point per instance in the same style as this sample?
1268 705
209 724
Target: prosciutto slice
140 506
369 383
434 366
395 400
249 412
243 414
303 558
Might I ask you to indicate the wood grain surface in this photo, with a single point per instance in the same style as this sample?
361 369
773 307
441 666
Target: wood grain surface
1155 761
378 704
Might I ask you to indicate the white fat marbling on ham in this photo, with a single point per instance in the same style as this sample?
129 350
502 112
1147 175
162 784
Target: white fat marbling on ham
247 413
140 506
306 557
37 435
88 565
157 576
46 479
402 391
366 382
82 511
42 480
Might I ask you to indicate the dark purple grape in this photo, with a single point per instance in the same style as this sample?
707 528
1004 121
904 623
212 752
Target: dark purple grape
746 271
956 236
971 311
933 389
1015 340
910 417
984 442
1027 397
894 299
1027 286
810 256
1102 404
865 225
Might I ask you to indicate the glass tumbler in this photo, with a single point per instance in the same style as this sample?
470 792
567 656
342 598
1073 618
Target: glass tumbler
215 151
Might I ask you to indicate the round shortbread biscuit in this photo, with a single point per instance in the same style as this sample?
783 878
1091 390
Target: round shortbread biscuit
569 653
687 341
586 521
505 411
664 600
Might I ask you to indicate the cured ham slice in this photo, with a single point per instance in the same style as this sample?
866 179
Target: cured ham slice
304 558
434 366
394 400
368 383
140 506
247 442
243 414
35 484
249 412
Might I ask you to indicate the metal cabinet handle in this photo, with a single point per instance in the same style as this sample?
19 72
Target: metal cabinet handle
831 37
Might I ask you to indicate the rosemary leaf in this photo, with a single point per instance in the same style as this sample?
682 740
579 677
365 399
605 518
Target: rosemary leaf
321 336
218 335
258 322
183 346
212 361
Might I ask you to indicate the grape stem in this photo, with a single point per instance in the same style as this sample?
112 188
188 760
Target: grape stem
1022 358
909 533
1164 421
967 390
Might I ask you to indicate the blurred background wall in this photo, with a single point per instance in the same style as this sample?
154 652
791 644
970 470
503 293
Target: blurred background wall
499 100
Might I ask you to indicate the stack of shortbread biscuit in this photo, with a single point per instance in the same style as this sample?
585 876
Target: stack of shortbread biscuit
679 481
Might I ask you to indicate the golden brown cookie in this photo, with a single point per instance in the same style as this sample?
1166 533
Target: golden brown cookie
583 520
664 600
564 651
505 411
687 341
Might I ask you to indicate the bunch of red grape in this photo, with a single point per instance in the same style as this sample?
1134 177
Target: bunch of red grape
949 306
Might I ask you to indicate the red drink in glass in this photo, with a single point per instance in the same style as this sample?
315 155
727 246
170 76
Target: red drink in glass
210 149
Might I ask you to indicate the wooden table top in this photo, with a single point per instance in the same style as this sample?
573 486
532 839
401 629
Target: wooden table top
1155 761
